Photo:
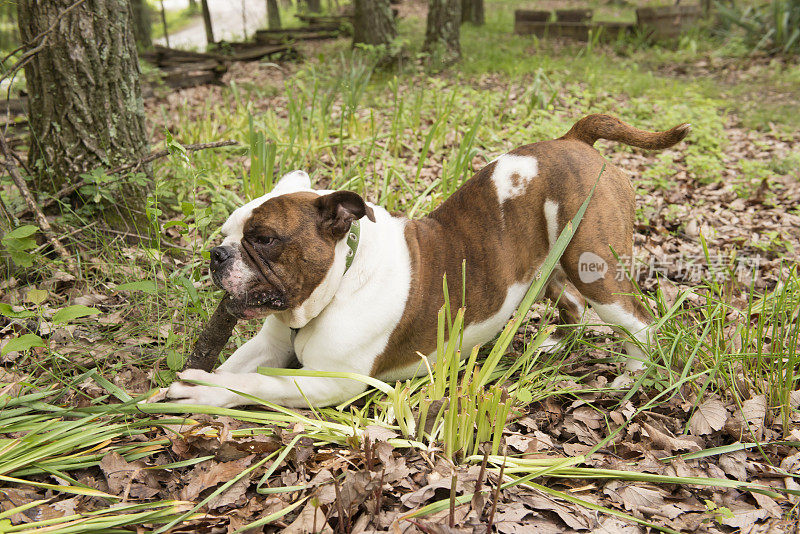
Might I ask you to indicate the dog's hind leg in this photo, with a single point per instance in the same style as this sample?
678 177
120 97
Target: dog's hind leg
570 304
614 302
601 279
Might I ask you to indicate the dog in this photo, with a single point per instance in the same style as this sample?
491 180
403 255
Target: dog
343 285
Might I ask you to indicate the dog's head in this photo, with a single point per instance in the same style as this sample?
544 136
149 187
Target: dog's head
279 248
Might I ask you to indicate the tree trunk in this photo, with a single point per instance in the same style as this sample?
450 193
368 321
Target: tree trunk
207 22
273 15
84 98
141 23
442 32
314 6
472 11
373 23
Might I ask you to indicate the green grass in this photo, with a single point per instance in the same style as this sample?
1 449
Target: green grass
405 140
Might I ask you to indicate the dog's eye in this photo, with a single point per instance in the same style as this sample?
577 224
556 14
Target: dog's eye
266 240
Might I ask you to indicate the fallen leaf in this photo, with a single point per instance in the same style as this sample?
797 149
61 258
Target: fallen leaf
120 477
208 474
311 519
710 416
665 442
744 518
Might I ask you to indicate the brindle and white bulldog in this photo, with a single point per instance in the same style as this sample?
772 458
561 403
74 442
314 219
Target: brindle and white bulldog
287 258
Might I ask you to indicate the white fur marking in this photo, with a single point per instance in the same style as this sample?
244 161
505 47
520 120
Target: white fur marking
570 296
551 217
615 314
512 174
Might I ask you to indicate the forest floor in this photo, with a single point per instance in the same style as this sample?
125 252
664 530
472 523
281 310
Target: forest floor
707 440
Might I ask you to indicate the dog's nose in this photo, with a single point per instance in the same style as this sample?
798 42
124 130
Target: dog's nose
219 255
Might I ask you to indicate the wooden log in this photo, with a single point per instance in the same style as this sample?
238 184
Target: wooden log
611 31
324 19
579 31
529 22
531 27
212 339
184 78
14 106
264 38
257 51
531 15
177 66
163 55
574 15
668 21
304 29
570 30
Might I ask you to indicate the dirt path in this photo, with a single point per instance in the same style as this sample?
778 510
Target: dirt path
231 20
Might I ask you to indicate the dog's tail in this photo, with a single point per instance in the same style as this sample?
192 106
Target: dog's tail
593 127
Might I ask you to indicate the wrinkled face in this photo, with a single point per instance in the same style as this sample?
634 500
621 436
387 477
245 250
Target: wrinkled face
279 248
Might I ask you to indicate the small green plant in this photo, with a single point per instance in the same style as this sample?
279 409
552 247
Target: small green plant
19 242
59 317
261 177
718 513
773 27
754 174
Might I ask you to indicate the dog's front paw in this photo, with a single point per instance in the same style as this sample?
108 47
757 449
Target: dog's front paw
217 395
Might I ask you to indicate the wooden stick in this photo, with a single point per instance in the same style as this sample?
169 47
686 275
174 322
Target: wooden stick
41 221
212 339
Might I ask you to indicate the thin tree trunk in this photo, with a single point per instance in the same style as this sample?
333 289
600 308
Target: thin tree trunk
273 15
84 95
472 11
207 22
142 28
164 23
442 33
314 6
373 23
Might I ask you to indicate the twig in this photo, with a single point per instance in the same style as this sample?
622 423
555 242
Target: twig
379 494
496 496
142 238
64 191
40 248
452 515
21 162
340 524
477 499
41 221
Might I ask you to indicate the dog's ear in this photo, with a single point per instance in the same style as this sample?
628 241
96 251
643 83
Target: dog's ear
338 211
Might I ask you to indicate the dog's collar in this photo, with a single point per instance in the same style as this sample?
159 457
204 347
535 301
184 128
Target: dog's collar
353 236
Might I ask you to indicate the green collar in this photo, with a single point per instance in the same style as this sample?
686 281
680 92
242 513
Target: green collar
353 237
